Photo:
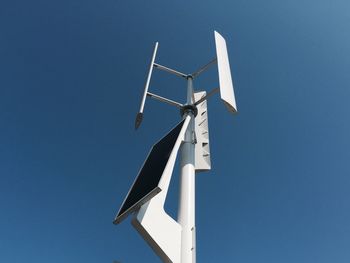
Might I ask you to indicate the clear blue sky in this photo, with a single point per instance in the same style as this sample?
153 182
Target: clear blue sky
71 77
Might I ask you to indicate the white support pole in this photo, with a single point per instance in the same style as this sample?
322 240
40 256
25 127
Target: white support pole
186 213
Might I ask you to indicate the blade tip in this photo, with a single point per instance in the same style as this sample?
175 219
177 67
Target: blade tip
138 120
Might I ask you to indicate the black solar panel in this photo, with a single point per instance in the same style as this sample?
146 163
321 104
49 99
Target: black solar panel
146 184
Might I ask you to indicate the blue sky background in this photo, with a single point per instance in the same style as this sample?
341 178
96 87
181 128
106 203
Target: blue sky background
71 77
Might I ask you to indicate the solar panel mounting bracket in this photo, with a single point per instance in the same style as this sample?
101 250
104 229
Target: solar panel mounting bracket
158 229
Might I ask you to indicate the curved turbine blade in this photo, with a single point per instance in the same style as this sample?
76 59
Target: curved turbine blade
226 87
139 115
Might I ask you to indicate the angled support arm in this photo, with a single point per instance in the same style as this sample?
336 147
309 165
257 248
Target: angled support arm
172 71
162 99
205 67
211 93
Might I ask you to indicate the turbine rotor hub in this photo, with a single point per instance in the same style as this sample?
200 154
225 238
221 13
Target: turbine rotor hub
187 109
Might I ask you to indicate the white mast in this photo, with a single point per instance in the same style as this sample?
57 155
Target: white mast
186 213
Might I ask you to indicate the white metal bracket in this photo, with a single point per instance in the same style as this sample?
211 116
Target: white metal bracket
158 229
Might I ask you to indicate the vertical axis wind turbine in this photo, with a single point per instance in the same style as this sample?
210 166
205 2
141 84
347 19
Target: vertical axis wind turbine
175 240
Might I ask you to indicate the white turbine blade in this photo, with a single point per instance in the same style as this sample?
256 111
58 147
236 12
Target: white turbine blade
225 79
139 115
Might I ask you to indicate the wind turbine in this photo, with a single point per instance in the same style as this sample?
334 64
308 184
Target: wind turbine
175 240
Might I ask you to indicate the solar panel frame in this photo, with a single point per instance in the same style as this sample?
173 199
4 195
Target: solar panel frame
128 206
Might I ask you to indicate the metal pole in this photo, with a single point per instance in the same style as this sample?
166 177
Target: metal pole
186 213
